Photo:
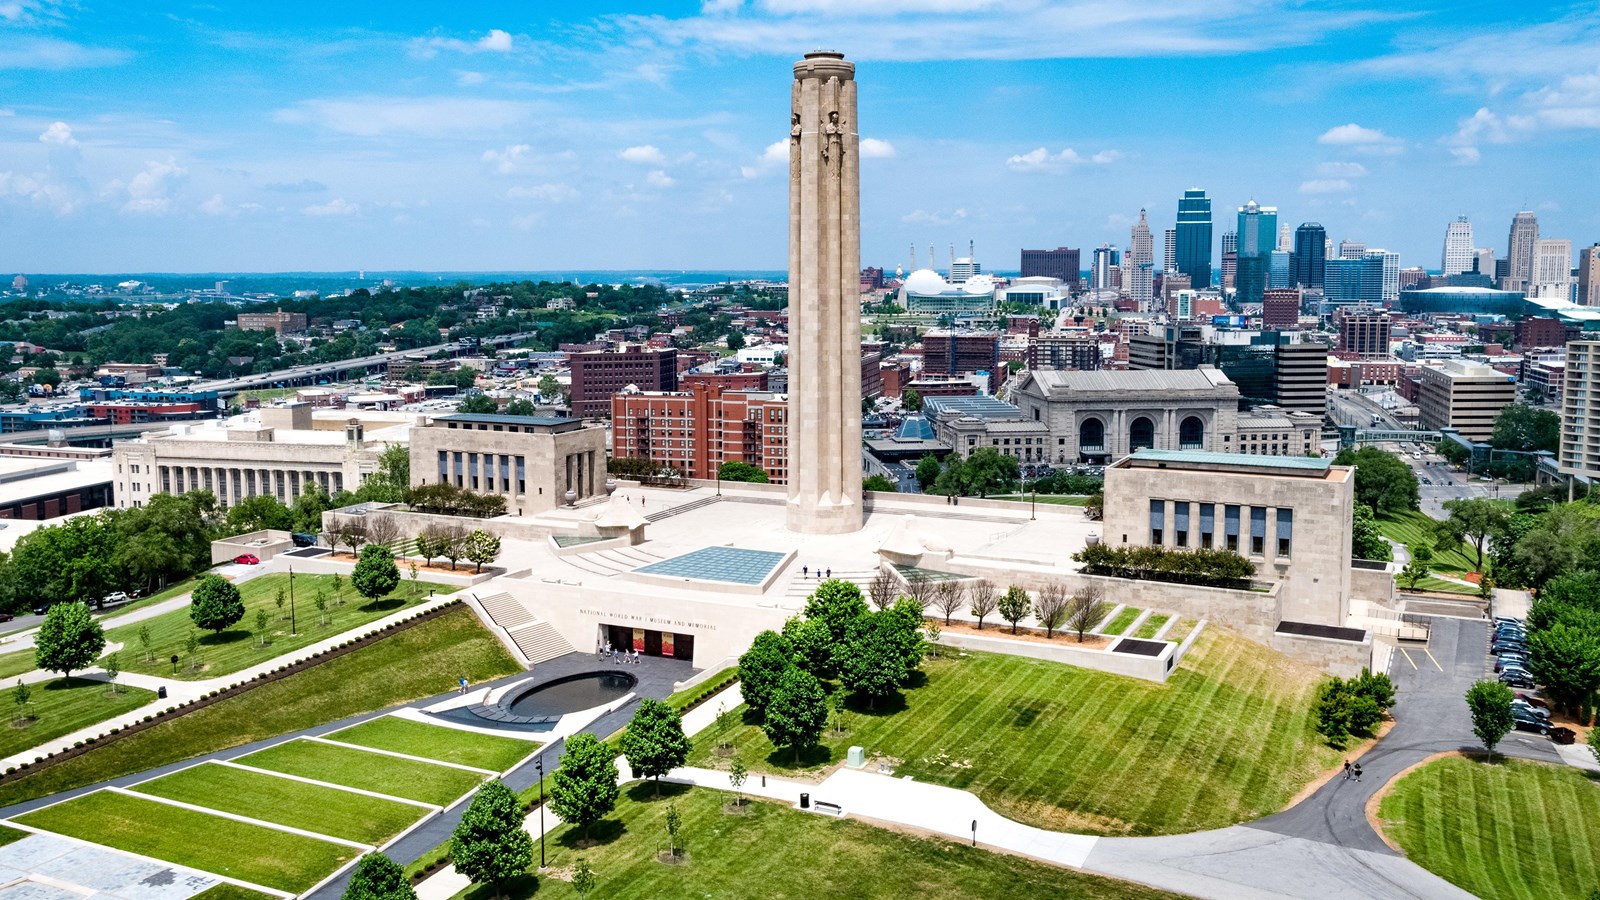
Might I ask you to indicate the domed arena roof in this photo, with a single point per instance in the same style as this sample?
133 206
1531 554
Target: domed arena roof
978 284
926 281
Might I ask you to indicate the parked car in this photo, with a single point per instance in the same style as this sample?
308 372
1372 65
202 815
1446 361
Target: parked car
247 559
6 617
1517 678
301 539
1510 631
1528 722
1531 700
1530 709
1507 620
114 597
41 609
1510 661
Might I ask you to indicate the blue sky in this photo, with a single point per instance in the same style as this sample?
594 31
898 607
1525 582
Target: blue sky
488 136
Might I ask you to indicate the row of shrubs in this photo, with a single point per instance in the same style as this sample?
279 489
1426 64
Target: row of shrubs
79 747
711 688
1212 567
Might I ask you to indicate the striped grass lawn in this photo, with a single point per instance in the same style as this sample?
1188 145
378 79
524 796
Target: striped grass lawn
390 775
452 745
284 801
1228 738
1152 625
1509 830
1430 583
1415 527
62 706
1122 621
253 853
226 891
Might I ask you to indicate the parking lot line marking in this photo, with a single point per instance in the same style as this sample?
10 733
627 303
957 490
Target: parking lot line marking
1407 655
1435 661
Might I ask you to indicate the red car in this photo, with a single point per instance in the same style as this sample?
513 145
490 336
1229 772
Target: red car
247 559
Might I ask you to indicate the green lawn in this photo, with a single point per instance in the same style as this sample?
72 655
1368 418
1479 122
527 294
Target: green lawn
182 587
252 853
1416 527
1430 583
1052 499
772 851
63 706
1152 625
226 891
465 748
1508 830
239 647
415 663
1227 739
1122 621
284 801
16 663
396 777
11 835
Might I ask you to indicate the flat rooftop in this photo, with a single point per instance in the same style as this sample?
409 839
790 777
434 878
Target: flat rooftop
1289 466
730 564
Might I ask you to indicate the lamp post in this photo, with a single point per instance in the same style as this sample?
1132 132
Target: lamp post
539 764
293 631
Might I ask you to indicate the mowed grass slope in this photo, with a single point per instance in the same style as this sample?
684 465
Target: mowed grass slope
63 706
253 853
285 801
239 647
418 662
1227 739
391 775
1509 830
1415 527
453 745
774 852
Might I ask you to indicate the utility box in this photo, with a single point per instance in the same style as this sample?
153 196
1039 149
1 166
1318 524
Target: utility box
857 758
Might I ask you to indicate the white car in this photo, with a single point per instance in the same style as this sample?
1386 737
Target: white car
114 597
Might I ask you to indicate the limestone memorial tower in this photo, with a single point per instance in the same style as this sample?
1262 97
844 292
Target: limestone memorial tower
824 298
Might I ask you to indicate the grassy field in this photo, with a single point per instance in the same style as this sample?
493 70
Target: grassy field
404 778
1509 830
11 835
16 663
1152 625
1122 621
1415 527
63 706
252 853
239 647
1430 583
1228 738
452 745
226 891
772 851
415 663
1052 499
284 801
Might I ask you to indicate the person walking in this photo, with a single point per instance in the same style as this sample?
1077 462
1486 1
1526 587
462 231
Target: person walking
830 571
461 684
804 571
1357 769
1347 770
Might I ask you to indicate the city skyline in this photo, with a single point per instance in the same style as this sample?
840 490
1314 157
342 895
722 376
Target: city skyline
641 136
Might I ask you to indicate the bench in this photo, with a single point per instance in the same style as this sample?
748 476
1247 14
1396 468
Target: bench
832 809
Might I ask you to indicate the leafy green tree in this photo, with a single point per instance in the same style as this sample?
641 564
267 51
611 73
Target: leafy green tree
113 668
482 548
878 483
310 505
584 788
521 406
928 469
874 658
482 404
71 562
167 539
145 644
1490 705
262 619
21 696
68 639
259 513
549 388
674 824
1522 427
490 845
1473 520
735 340
797 712
1014 606
912 401
1594 742
215 604
191 648
1383 482
1367 540
1562 540
1566 660
836 603
761 668
392 481
737 773
583 878
810 645
377 877
743 472
1418 567
375 574
654 742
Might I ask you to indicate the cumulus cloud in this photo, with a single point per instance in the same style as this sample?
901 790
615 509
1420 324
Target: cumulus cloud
1325 186
718 7
776 155
335 207
1042 160
873 148
496 41
58 133
660 179
546 193
303 186
216 206
509 160
470 79
1467 156
151 190
645 153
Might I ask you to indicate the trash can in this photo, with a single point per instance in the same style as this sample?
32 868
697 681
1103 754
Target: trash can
805 801
161 692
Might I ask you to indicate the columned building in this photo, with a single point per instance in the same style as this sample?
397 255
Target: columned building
1100 416
536 463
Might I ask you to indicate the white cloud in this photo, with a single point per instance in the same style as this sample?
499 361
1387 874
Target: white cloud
508 160
1042 160
371 116
645 153
303 186
1106 156
58 133
547 193
1353 135
1467 156
151 190
335 207
53 53
660 179
1341 170
873 148
1325 186
217 206
717 7
44 190
924 217
776 155
470 79
496 41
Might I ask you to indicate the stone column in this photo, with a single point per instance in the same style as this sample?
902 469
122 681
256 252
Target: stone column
824 448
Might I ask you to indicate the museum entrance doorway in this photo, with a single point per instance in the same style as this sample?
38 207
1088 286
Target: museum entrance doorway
650 642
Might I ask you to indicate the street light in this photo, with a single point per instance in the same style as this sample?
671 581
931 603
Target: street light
539 764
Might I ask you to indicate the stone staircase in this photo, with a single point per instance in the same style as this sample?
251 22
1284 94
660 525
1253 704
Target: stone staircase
682 508
612 561
504 611
538 642
801 586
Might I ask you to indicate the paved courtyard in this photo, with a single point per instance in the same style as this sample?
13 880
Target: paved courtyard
46 867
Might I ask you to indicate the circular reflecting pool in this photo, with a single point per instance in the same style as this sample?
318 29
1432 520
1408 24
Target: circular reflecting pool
571 694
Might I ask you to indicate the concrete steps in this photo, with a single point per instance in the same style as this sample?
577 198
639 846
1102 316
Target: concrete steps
539 642
682 508
801 586
505 611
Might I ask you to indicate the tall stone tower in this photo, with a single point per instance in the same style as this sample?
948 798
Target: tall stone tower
824 298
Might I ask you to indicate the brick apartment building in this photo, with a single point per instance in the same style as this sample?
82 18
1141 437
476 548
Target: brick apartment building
598 375
697 430
277 321
962 353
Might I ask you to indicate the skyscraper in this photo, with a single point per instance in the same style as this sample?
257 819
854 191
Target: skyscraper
1310 261
1061 263
1169 255
824 450
1519 251
1589 275
1484 259
1141 260
1194 238
1280 269
1551 278
1458 252
1285 238
1258 237
1386 271
1105 259
1352 249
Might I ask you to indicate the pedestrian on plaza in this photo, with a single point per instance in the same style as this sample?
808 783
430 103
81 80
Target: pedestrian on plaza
1347 770
462 684
804 571
830 571
636 657
1357 769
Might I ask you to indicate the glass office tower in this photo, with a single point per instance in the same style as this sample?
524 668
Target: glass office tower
1194 238
1310 256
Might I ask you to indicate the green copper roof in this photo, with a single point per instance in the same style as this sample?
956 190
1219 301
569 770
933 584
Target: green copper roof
1209 458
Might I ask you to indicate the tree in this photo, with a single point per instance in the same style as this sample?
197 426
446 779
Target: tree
1051 607
1084 609
948 597
320 601
879 651
146 651
113 668
1490 705
737 773
912 401
452 542
338 589
191 648
481 549
674 822
521 406
1383 483
883 590
878 483
215 604
743 472
654 742
20 697
1524 428
549 388
928 472
1366 539
482 404
1355 706
429 545
1014 606
490 844
1471 519
1565 659
761 668
797 711
836 603
982 599
584 788
1594 742
279 600
383 531
353 533
377 877
724 724
413 573
582 874
258 513
1417 568
262 618
810 645
375 573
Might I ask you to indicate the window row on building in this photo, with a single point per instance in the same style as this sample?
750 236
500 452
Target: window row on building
1241 529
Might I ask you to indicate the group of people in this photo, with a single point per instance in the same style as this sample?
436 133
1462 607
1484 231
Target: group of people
1352 770
806 570
620 656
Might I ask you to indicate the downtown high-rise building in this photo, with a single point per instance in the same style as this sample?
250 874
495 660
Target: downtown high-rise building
1310 259
1352 249
1483 257
1519 251
1061 263
1458 252
1140 262
1101 274
1258 237
1169 252
1194 238
1385 268
1551 277
1589 275
1285 238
